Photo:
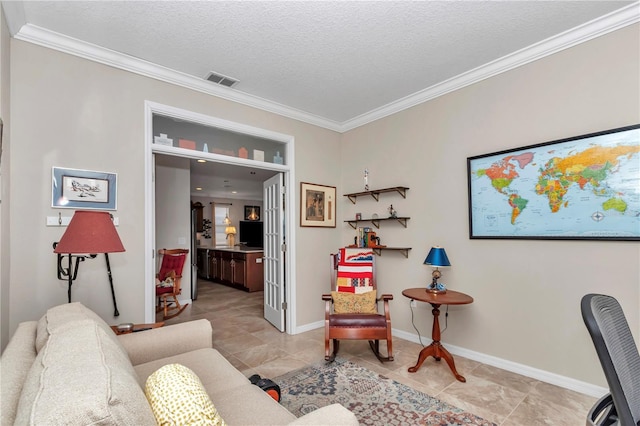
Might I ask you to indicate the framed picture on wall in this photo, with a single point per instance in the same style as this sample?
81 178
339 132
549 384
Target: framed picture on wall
83 189
580 188
252 213
317 205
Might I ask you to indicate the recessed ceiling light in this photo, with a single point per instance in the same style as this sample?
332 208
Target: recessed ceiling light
234 192
202 161
198 189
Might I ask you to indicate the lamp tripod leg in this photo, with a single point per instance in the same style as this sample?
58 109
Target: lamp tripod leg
113 293
69 278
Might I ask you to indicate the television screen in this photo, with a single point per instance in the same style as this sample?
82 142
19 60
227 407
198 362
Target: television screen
251 233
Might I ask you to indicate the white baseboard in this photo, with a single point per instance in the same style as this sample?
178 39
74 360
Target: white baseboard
514 367
308 327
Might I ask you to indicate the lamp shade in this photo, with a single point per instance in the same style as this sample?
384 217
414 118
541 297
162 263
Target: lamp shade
230 230
437 257
90 232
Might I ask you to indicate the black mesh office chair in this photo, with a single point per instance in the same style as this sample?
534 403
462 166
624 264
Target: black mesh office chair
620 361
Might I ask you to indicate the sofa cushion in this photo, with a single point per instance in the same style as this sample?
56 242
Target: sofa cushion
353 303
249 405
235 398
82 376
208 364
63 314
177 397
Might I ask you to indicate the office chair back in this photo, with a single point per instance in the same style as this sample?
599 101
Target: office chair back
618 356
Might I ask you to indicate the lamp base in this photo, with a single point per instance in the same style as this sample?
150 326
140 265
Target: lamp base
436 288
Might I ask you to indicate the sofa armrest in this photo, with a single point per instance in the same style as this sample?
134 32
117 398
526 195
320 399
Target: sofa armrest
158 343
16 362
334 414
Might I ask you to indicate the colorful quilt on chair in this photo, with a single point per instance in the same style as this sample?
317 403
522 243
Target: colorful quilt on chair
355 270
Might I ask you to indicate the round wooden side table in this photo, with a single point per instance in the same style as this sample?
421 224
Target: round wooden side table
435 349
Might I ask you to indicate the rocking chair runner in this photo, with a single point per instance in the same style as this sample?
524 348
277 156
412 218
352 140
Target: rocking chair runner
355 325
171 268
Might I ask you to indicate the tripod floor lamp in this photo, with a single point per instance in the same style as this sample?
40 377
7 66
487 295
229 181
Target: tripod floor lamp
88 234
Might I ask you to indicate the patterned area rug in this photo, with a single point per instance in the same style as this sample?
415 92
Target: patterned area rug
374 399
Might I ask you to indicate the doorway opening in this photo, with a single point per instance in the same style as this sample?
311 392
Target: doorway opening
217 160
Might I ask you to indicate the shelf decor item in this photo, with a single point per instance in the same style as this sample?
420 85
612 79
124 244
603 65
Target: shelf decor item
186 144
580 188
366 179
317 205
85 189
163 140
437 258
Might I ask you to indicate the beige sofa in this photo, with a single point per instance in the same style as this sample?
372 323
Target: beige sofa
70 368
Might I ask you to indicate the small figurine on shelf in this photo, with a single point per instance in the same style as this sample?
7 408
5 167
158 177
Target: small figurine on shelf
366 179
392 212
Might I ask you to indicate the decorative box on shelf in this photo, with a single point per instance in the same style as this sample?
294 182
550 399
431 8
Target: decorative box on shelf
187 144
163 140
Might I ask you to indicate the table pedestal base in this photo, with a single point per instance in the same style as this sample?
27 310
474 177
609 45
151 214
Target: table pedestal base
435 349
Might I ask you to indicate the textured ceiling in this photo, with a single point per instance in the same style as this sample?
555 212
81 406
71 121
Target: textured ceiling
333 59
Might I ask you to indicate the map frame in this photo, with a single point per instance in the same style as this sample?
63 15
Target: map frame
579 143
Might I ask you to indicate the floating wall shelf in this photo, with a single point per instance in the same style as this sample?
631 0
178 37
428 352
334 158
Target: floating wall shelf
402 190
403 250
376 222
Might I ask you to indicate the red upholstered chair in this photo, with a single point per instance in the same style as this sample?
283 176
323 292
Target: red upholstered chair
170 270
353 275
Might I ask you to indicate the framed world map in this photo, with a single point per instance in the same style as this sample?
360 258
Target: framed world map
584 187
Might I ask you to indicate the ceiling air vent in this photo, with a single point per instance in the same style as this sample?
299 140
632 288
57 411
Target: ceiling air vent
221 79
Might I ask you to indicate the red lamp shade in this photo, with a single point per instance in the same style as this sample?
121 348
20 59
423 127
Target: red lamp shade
90 232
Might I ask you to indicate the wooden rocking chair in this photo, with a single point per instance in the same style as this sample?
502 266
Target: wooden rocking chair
171 273
372 326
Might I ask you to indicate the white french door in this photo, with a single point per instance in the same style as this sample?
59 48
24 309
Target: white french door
274 282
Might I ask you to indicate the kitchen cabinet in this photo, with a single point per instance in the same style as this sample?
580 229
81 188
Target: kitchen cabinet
199 210
237 268
215 263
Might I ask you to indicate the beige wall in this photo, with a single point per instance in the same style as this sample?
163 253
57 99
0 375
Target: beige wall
527 293
173 213
4 181
71 112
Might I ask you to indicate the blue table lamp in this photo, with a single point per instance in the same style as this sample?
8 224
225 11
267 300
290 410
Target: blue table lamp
437 257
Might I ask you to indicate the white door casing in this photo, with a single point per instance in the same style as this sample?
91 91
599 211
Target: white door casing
287 169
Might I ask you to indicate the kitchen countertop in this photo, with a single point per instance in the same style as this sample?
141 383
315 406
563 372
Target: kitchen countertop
237 249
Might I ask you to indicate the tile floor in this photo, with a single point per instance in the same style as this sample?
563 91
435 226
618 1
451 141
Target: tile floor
253 345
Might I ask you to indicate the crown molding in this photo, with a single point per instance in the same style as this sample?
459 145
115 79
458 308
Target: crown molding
588 31
611 22
53 40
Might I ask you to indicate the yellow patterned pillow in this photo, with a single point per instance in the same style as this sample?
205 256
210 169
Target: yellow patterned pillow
353 303
177 397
